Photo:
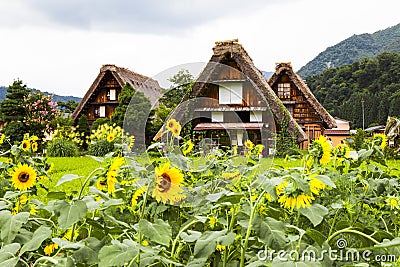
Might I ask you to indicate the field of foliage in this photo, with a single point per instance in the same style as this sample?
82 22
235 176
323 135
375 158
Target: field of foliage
185 209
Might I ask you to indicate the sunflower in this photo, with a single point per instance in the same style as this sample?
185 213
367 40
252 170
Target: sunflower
393 202
50 249
382 140
116 164
23 199
231 175
212 221
108 182
51 166
220 247
316 186
168 181
131 142
110 137
23 177
111 181
341 151
321 149
258 149
9 160
34 146
171 125
3 136
101 184
139 192
289 198
235 150
300 201
189 148
68 235
249 145
25 145
177 130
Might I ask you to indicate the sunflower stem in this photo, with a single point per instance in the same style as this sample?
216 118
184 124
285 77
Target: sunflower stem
249 228
178 235
87 180
352 231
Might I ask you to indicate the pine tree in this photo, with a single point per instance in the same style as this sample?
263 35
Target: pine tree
12 108
124 99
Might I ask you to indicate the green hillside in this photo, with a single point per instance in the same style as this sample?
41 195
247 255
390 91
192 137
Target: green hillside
377 81
354 49
57 98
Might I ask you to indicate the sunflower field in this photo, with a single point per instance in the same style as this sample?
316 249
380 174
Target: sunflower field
184 209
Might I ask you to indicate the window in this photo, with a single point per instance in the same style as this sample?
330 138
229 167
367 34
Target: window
102 111
112 95
256 116
230 93
217 116
284 90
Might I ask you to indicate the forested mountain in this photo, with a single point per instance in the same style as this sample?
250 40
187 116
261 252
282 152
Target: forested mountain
57 98
377 81
353 49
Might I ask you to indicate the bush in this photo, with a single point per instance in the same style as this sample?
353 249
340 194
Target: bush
60 147
101 147
100 121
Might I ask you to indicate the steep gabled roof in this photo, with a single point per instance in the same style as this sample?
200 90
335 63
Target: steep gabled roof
234 50
148 86
286 68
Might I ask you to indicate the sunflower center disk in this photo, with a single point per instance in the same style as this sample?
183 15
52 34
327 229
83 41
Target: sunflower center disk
165 183
23 177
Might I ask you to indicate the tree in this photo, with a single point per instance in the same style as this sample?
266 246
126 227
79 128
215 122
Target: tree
83 129
136 117
67 107
13 106
40 110
13 111
124 99
182 83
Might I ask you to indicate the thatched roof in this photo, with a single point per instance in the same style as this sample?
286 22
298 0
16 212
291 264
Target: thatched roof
232 50
286 68
148 86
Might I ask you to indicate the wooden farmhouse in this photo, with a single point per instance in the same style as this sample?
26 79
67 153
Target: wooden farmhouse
233 102
101 99
300 102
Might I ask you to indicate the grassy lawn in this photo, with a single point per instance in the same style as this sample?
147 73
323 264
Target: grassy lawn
82 166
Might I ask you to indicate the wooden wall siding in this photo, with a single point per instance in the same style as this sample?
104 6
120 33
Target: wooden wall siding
303 112
99 98
229 72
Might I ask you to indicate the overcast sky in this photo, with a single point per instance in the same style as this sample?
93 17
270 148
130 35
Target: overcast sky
59 46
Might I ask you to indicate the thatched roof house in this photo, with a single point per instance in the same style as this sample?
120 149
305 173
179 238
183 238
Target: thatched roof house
300 101
231 71
228 51
102 97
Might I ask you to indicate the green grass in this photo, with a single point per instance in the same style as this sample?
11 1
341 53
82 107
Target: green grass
81 166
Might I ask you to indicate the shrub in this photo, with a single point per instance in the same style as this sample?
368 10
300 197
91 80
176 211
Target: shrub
101 147
100 121
60 147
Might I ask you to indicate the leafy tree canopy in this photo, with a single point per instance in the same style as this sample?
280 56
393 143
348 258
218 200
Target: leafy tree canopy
374 83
